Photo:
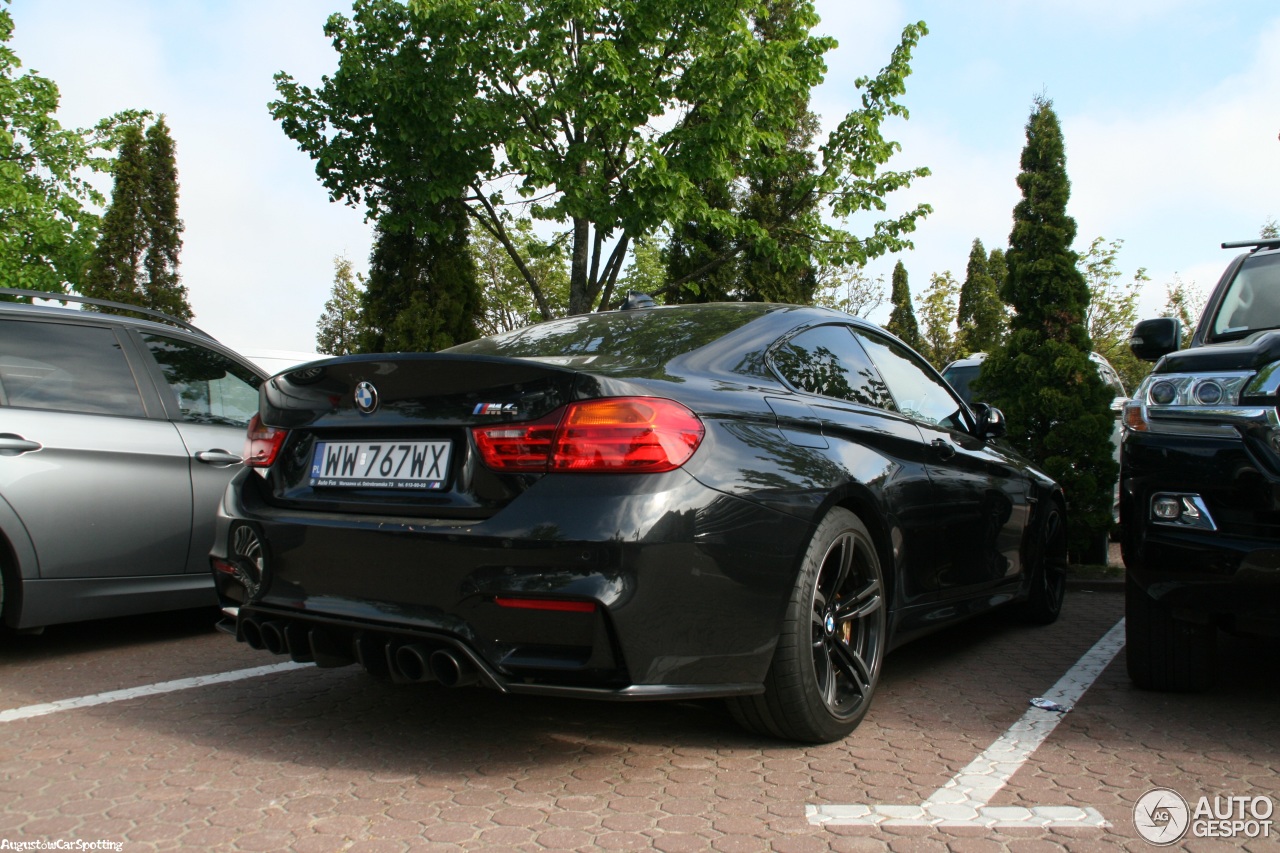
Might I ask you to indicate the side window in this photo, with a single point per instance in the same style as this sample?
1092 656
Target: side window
210 388
919 393
827 360
66 368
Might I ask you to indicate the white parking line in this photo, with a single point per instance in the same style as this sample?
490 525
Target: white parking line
963 800
30 711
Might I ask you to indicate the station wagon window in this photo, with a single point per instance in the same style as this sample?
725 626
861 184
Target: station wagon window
827 360
210 388
67 368
919 394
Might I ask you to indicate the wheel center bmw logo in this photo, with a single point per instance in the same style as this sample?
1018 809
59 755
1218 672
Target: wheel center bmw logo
829 624
366 397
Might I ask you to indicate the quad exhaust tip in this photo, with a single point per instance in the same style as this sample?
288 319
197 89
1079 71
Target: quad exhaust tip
403 662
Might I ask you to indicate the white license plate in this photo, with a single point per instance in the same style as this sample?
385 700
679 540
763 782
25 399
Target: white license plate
381 464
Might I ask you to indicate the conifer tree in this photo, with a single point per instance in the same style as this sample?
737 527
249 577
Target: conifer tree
422 292
338 330
902 319
136 258
1056 405
980 315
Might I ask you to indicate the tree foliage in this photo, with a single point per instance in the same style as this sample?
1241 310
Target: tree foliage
981 318
902 319
1185 301
1058 408
136 256
47 222
506 300
1113 309
937 314
340 328
422 294
849 289
606 118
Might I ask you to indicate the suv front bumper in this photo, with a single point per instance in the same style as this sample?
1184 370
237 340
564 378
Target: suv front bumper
1226 570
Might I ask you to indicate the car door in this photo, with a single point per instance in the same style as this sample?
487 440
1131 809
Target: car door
210 398
101 487
859 428
982 495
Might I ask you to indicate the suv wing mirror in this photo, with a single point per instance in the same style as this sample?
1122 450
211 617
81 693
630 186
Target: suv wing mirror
1152 339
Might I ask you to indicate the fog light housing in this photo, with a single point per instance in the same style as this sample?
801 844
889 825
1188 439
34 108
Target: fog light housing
1184 510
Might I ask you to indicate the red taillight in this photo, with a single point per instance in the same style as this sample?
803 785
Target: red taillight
518 447
262 443
623 435
562 605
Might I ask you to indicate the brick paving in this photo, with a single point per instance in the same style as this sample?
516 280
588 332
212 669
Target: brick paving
329 760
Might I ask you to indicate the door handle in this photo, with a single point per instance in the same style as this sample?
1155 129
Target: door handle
218 458
944 448
13 445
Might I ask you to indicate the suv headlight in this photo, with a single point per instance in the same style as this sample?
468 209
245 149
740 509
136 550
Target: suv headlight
1192 403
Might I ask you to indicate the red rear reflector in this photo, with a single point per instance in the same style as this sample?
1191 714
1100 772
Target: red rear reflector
221 565
558 604
624 435
262 443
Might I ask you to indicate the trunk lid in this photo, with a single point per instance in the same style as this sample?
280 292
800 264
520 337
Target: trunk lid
391 434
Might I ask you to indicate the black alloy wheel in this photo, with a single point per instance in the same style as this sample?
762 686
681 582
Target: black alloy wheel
827 662
1048 568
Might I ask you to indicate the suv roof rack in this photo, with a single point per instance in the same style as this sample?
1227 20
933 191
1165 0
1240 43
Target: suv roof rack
105 303
1260 243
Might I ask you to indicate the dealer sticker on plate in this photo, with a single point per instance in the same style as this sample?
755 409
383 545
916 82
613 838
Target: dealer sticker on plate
380 464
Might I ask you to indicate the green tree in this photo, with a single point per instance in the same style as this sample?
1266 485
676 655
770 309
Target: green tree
605 118
1113 309
47 223
902 319
647 272
507 302
339 330
1058 408
980 317
847 288
937 312
422 294
1184 301
136 257
1270 229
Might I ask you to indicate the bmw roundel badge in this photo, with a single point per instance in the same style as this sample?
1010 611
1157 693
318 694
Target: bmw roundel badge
366 397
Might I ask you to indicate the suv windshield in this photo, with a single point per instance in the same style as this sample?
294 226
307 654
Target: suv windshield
1252 300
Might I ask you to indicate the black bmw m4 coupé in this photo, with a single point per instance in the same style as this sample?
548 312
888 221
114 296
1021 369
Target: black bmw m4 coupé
749 501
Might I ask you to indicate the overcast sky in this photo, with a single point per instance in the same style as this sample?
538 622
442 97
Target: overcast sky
1170 111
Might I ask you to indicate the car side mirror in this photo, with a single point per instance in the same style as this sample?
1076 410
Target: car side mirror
1152 339
990 421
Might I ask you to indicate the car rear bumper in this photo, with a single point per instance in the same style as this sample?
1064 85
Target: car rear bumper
617 587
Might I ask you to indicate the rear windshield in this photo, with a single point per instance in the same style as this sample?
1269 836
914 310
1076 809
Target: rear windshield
619 340
1252 300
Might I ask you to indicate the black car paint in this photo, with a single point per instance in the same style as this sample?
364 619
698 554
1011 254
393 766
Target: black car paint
691 568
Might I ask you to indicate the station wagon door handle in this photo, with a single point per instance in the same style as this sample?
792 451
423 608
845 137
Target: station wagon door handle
220 458
13 445
944 448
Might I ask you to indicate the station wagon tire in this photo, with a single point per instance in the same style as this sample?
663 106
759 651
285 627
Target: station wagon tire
827 661
1164 652
1048 569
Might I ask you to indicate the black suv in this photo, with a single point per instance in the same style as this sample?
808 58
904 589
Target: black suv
1200 479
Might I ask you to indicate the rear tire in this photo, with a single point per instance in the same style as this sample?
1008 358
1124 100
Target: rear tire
827 661
1164 652
1048 570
